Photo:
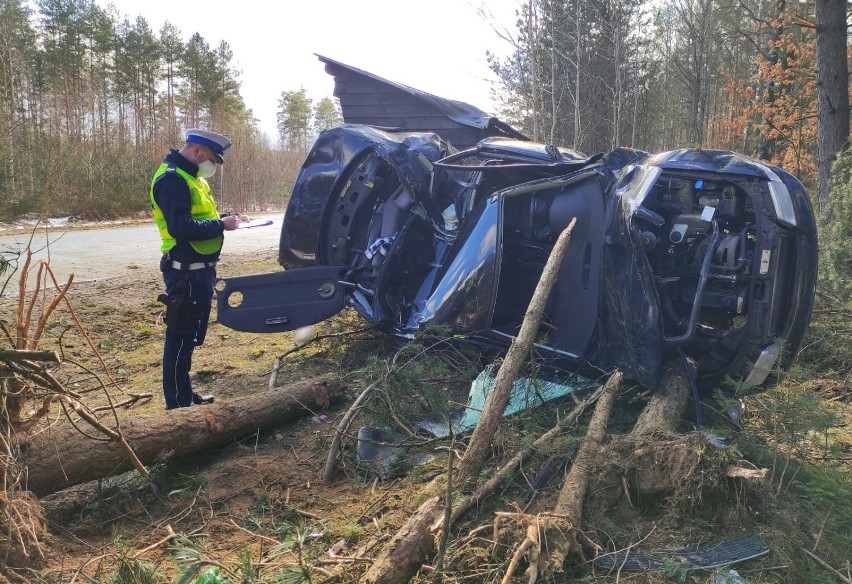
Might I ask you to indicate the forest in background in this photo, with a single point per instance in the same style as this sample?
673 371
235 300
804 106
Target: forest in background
736 75
90 100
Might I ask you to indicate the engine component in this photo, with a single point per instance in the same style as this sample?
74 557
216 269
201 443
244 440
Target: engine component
688 226
648 239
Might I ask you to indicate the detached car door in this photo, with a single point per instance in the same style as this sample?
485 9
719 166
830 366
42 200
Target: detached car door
280 301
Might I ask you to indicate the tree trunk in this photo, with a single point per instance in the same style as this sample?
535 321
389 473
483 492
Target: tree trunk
665 410
532 27
61 457
495 404
832 87
410 547
553 537
766 145
578 56
414 542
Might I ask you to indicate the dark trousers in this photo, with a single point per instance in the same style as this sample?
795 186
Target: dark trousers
192 292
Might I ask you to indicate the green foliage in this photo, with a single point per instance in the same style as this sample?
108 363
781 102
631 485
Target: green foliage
299 121
249 573
119 569
210 576
426 376
353 532
115 496
92 100
133 571
794 423
831 490
829 350
791 430
327 114
294 114
199 566
190 556
292 575
836 231
267 514
257 510
676 570
573 67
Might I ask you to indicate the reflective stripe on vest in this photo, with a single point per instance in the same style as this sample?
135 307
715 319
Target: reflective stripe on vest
202 206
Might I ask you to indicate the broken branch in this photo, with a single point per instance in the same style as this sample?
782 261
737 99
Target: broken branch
561 529
495 404
342 427
23 354
827 566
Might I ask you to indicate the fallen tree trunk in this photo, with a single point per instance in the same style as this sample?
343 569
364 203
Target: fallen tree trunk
62 457
551 537
480 444
668 404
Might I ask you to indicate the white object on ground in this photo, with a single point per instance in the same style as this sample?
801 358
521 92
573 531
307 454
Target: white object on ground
304 334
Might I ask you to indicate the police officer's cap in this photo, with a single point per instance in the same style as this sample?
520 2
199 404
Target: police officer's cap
218 143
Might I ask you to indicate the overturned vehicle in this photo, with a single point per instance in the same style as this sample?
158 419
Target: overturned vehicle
700 253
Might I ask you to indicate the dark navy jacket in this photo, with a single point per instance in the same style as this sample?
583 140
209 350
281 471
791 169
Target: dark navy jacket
172 195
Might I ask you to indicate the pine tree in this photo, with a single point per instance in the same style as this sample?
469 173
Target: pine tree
327 115
17 39
171 53
294 115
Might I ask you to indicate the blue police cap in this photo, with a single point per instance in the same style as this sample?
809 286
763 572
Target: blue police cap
218 143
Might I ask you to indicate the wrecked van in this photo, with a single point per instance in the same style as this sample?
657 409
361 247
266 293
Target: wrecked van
705 254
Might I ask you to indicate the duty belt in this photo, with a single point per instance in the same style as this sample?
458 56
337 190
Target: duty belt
193 266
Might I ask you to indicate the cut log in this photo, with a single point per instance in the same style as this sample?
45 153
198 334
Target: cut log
666 407
408 549
61 457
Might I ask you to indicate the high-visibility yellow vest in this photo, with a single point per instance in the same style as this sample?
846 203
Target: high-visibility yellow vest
202 206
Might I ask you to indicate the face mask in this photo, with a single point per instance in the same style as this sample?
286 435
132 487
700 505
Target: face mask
206 169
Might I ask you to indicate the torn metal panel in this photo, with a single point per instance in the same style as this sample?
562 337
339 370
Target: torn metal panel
368 99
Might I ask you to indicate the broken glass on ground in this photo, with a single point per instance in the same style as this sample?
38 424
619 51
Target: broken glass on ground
527 393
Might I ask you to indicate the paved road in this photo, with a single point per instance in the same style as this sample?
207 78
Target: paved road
97 254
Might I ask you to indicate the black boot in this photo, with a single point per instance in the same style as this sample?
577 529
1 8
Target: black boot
201 399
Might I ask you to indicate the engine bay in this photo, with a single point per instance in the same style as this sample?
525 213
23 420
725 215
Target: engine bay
701 252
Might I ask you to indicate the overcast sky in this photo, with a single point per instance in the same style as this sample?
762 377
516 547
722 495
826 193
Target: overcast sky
437 46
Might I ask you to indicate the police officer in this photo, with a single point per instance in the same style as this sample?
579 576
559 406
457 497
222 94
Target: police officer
191 229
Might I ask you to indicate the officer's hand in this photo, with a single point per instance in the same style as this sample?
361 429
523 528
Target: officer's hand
231 222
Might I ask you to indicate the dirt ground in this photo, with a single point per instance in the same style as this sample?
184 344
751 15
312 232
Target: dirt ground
258 509
232 498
